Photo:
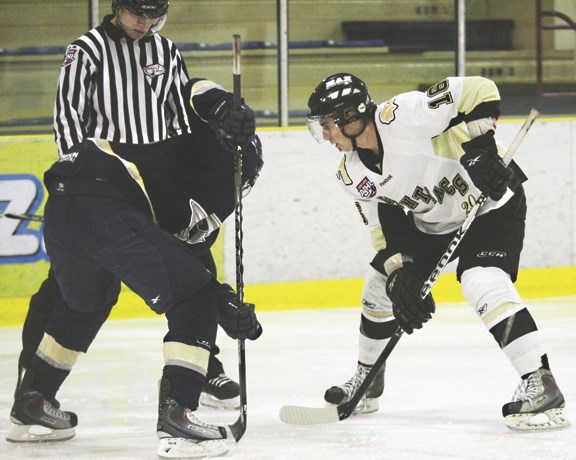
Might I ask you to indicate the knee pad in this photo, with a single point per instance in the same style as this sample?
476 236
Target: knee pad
491 293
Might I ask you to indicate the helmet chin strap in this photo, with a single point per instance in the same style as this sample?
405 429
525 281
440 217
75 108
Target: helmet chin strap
353 138
354 144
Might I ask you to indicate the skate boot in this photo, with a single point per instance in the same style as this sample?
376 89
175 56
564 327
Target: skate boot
36 419
219 391
537 404
182 434
342 393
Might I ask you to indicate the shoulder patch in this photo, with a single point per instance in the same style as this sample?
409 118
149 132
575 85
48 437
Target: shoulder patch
70 55
387 114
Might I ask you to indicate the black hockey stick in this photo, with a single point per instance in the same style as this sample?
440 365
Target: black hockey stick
238 428
32 217
300 415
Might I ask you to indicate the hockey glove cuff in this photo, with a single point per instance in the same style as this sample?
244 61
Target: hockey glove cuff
237 319
232 127
403 288
485 167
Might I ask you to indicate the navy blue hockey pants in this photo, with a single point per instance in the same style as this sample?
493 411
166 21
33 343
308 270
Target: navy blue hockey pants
94 243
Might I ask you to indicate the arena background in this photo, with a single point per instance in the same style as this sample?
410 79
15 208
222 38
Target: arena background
304 245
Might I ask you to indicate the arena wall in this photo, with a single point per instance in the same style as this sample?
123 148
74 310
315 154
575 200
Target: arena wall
304 243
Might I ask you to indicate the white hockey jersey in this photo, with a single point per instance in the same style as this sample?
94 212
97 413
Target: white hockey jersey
419 166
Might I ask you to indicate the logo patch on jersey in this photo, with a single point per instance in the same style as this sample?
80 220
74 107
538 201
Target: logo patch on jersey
366 188
154 70
70 56
387 115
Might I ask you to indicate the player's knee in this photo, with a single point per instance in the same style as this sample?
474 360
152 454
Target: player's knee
491 293
376 306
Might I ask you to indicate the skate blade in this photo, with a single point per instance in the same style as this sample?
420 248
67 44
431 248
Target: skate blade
365 406
38 433
552 419
211 401
183 448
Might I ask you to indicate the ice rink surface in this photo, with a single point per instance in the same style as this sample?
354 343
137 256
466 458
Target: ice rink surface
445 386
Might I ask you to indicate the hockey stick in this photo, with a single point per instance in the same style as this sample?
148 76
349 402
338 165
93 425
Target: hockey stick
32 217
238 428
299 415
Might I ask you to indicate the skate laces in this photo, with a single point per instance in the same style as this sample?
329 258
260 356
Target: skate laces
352 385
196 421
529 388
52 411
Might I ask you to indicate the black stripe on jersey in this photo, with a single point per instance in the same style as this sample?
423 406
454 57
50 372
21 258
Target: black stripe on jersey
513 327
482 110
114 94
378 331
134 132
90 36
152 104
179 114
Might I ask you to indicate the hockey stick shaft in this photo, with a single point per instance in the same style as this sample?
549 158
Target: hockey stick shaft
308 416
238 428
32 217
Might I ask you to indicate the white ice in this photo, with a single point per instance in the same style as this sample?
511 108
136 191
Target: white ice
445 385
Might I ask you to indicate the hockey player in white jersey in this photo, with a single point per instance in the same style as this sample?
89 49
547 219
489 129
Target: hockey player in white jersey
415 166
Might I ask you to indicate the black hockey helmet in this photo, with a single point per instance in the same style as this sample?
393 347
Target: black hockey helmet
149 9
341 97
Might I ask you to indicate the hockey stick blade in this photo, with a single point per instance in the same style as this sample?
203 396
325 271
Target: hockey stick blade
238 428
299 415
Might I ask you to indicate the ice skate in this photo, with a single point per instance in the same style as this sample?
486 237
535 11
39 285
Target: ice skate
35 419
182 435
537 404
219 391
342 393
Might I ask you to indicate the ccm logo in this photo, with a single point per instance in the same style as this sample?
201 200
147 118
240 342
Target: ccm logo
491 254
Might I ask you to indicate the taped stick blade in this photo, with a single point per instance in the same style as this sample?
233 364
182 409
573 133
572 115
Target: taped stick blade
299 415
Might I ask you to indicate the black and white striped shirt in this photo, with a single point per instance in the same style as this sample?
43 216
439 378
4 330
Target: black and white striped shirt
112 87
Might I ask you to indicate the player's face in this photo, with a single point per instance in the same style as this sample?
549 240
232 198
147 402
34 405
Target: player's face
134 26
341 137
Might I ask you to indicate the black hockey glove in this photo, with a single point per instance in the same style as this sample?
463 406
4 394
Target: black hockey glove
239 321
232 127
403 288
485 167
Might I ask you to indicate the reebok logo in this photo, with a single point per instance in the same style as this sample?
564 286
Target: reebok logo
385 181
473 161
155 300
